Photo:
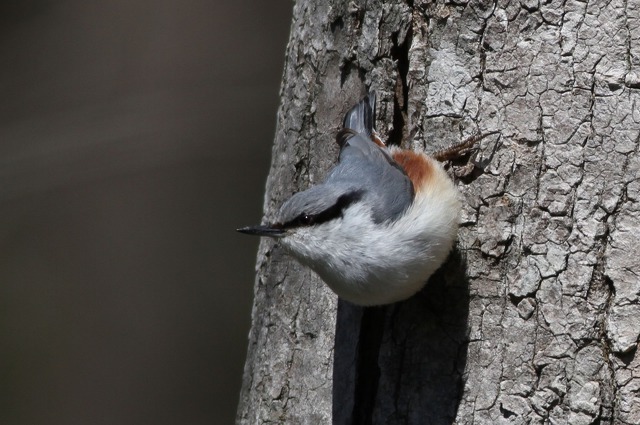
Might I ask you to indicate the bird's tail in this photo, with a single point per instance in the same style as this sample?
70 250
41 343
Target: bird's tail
362 117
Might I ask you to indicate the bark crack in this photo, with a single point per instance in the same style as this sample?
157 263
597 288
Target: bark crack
400 54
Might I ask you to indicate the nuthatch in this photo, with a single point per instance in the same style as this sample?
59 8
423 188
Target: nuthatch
380 224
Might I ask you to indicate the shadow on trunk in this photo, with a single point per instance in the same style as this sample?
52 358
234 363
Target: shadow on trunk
404 363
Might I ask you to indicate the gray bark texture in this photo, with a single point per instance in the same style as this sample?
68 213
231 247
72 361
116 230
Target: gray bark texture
535 317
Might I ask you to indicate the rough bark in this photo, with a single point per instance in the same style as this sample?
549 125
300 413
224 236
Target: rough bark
535 317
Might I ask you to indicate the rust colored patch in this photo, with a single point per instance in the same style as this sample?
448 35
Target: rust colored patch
415 165
377 140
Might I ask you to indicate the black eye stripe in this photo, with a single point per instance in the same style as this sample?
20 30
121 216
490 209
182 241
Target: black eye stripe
329 214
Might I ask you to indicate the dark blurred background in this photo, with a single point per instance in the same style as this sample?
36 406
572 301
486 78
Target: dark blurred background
135 136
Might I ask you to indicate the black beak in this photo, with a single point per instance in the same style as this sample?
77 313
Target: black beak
272 232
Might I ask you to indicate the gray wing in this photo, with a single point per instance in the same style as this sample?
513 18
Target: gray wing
365 172
366 167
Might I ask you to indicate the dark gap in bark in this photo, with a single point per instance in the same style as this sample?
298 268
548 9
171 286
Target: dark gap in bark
345 70
627 357
337 23
400 54
506 413
515 300
610 286
347 67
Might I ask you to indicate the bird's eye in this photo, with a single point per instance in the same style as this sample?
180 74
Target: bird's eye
305 220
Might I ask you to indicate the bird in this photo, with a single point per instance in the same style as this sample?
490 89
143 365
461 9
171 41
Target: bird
380 224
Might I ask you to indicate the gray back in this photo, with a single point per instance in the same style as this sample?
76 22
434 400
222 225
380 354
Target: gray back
363 168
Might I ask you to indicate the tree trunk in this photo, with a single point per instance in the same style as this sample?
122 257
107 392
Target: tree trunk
535 317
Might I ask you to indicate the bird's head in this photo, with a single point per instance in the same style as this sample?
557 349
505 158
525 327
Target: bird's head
309 219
